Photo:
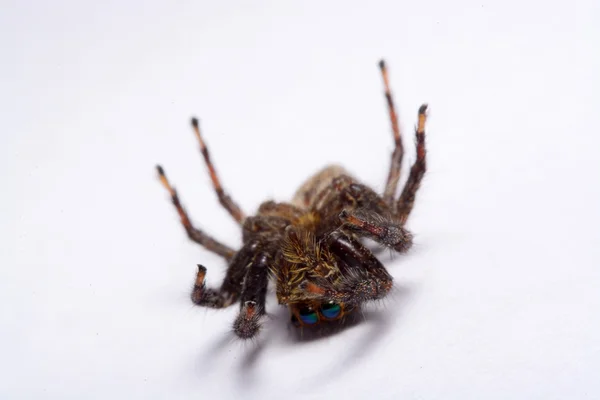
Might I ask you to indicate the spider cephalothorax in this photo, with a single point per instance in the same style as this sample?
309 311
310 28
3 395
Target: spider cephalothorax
311 247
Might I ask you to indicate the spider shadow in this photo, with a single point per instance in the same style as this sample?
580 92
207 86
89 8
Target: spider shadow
246 352
278 329
277 332
378 320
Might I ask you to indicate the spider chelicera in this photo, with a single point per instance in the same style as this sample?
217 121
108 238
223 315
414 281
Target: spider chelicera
311 247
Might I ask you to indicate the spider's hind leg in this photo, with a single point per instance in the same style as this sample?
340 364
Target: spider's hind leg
253 297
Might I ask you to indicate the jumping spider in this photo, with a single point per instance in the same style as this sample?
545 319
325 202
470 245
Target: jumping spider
311 246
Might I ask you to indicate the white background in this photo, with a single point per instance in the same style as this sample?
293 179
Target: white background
499 298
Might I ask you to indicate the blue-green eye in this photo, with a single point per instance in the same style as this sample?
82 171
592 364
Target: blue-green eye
308 316
331 310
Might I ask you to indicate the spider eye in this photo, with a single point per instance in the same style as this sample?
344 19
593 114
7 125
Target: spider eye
331 310
308 316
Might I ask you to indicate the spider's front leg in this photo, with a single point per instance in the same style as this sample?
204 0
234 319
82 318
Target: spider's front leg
208 297
358 209
363 277
369 224
231 288
253 296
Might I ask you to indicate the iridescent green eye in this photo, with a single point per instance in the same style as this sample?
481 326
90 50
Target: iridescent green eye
308 316
331 310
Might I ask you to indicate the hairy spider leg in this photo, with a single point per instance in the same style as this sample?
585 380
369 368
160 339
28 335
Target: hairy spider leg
197 235
208 297
364 277
231 288
417 171
362 212
253 297
389 193
367 223
225 200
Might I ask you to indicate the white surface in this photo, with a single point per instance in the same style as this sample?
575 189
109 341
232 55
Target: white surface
500 297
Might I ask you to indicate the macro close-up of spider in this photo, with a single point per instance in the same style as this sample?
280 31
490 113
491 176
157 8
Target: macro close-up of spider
311 246
358 198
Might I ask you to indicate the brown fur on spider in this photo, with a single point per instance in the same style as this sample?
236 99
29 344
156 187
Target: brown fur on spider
311 247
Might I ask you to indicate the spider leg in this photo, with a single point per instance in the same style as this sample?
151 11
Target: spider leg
225 200
253 296
417 171
364 278
208 297
231 288
356 208
193 233
386 231
396 162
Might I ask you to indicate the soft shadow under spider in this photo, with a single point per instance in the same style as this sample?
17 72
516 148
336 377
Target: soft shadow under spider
249 352
378 318
380 321
296 336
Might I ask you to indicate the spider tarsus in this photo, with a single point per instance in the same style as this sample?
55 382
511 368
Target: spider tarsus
160 170
382 64
201 275
198 294
194 122
423 109
245 330
247 324
403 240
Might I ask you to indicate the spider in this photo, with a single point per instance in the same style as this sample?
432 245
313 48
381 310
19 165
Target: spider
311 246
